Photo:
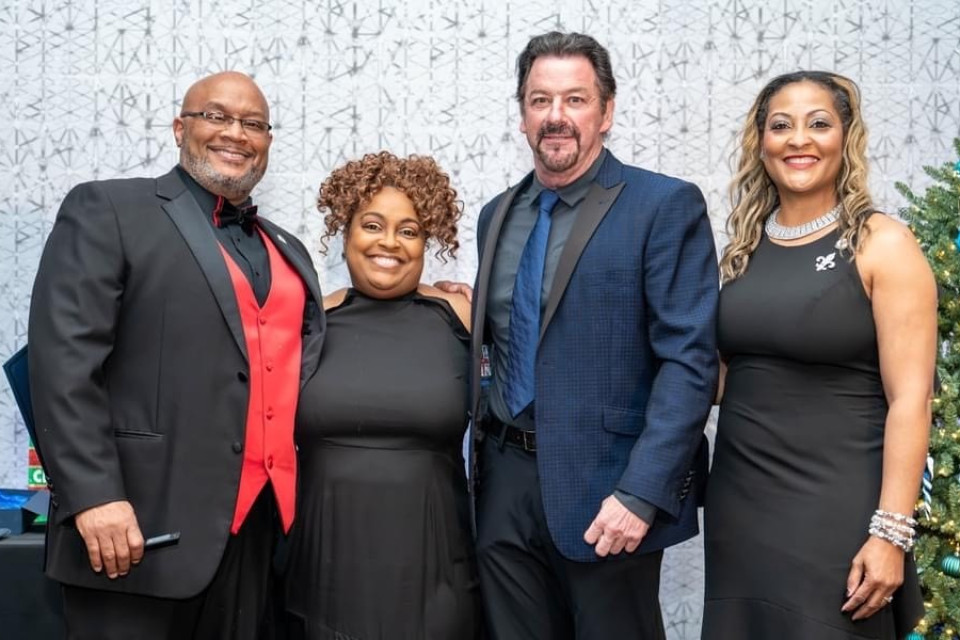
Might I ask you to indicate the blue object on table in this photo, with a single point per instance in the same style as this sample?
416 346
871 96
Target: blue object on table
19 508
12 499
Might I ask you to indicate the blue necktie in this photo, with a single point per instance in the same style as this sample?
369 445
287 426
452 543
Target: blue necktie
525 311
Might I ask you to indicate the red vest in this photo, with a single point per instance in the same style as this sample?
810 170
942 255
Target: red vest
272 335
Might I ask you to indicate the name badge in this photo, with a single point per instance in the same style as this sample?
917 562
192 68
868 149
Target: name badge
486 371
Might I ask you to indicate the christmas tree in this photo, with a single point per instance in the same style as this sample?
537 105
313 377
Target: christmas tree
934 218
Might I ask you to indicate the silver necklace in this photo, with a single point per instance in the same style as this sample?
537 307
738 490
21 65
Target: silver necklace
778 231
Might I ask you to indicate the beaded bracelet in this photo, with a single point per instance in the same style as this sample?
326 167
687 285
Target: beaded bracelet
901 542
895 528
899 528
899 517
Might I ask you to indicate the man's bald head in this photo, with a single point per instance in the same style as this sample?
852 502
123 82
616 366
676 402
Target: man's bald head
231 80
226 159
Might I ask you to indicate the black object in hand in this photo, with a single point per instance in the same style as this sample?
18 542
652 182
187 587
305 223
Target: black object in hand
164 540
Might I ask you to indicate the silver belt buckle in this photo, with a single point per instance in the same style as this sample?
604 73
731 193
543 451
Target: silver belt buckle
529 441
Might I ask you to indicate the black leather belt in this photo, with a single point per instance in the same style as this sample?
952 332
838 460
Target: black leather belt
526 440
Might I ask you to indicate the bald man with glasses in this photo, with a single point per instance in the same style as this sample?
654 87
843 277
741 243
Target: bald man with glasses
170 330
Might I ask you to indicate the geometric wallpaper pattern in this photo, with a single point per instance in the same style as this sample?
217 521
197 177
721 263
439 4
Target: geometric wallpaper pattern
88 89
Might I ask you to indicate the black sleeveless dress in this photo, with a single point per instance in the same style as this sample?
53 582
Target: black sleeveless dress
381 547
797 467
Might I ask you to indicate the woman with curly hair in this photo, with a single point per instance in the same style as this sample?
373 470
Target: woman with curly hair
827 329
382 545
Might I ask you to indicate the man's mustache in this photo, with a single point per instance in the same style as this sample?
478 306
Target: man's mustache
557 128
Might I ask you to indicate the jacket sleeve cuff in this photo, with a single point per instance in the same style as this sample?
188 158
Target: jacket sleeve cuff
637 506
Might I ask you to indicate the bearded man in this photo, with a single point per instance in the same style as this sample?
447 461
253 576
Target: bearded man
170 330
595 308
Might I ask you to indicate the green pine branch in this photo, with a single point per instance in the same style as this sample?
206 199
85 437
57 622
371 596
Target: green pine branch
934 217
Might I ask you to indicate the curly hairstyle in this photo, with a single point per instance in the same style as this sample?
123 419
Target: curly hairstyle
754 195
353 185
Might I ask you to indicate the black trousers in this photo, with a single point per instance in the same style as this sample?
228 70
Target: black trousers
236 605
530 591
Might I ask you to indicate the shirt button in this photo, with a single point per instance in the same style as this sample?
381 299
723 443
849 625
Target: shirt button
237 447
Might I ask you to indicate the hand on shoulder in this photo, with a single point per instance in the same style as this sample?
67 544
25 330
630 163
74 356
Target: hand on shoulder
334 299
458 301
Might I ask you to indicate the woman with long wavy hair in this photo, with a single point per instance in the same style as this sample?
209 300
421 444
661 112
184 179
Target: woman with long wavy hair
827 331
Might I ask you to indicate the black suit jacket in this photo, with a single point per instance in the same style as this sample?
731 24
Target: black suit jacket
139 376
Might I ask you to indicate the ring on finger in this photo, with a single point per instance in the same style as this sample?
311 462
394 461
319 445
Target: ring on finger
888 600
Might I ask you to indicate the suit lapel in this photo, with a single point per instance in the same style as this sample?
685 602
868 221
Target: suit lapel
296 259
595 206
484 269
196 232
486 263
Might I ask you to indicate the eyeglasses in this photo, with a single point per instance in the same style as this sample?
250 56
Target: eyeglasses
222 120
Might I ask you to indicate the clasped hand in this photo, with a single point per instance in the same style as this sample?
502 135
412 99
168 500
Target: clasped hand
615 529
112 536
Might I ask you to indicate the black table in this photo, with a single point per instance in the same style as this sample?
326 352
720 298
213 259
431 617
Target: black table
30 603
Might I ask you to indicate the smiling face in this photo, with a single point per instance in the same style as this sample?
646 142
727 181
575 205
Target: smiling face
802 144
564 118
227 161
384 246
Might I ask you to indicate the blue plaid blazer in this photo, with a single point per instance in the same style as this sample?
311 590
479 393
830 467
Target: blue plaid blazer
626 366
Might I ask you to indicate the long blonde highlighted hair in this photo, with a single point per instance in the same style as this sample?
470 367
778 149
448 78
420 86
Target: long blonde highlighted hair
754 195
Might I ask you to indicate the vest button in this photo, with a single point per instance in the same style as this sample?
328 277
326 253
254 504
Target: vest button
269 462
237 447
241 376
263 321
269 366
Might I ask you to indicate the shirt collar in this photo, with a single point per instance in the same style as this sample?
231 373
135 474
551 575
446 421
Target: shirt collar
573 193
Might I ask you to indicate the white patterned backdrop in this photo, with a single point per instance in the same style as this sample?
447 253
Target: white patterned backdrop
88 89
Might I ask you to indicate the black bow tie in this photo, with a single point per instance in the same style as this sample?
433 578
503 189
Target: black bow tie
226 213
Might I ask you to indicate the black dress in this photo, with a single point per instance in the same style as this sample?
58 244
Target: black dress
381 547
798 462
